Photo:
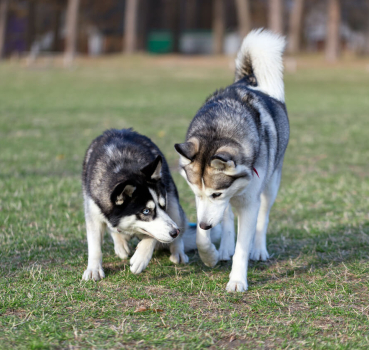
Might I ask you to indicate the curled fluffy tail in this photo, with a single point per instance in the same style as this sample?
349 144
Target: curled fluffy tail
260 61
189 237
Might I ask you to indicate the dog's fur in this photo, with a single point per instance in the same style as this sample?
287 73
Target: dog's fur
128 189
234 152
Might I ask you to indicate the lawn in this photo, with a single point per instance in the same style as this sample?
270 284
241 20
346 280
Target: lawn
312 293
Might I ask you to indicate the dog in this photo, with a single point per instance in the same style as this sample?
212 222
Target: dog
233 155
128 189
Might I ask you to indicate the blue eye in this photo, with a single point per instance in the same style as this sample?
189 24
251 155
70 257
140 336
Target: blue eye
146 211
216 194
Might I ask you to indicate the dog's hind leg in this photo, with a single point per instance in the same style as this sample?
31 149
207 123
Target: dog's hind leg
267 198
121 247
227 243
143 255
95 233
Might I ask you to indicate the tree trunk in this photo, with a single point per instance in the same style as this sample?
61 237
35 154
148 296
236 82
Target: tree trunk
71 31
56 26
332 46
244 18
4 6
190 14
294 35
174 21
31 24
275 16
218 26
130 26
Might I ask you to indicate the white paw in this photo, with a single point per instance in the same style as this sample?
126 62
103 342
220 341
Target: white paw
210 257
259 254
139 262
224 254
236 286
122 249
178 257
95 274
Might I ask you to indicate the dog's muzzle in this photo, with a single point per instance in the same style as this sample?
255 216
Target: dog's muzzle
174 233
205 226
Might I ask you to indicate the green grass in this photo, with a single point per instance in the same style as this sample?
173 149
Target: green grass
312 293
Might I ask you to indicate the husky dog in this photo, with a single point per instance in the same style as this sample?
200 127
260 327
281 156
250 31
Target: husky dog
128 189
234 152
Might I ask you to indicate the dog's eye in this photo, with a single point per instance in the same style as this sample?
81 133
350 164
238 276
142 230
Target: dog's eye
216 194
146 211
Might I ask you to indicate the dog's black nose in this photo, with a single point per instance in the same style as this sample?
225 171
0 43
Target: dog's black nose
204 226
174 233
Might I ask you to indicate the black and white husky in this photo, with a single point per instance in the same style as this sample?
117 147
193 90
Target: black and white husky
234 152
128 189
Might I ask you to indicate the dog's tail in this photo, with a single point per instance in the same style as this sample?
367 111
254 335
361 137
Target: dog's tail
260 61
189 237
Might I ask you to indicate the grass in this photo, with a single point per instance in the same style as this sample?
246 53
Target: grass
312 293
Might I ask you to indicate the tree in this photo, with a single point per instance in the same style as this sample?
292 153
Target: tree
218 26
71 31
275 16
244 18
295 25
130 26
174 21
56 25
31 24
333 31
190 14
4 6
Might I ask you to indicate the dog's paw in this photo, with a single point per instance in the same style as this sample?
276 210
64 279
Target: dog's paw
226 251
210 258
94 274
139 262
122 249
224 254
259 254
236 286
178 258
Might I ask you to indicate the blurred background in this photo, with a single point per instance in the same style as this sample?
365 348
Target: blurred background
33 28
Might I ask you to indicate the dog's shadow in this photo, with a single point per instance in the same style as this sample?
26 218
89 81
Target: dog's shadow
294 254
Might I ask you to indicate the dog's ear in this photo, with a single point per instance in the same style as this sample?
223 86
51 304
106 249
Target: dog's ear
223 161
121 193
152 171
187 150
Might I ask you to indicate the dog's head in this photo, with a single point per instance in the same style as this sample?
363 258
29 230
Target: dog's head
139 205
216 172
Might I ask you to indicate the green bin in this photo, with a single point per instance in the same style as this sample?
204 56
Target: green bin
160 42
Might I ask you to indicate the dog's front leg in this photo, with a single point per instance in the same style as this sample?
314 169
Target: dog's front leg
177 253
121 246
95 233
226 247
207 251
143 254
247 218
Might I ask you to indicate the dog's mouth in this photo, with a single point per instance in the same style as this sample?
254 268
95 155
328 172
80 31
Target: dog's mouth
141 230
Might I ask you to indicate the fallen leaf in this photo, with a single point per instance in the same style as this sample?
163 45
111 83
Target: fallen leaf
158 310
141 309
144 308
232 338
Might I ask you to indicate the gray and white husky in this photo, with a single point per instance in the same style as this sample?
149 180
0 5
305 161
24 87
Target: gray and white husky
234 152
128 189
